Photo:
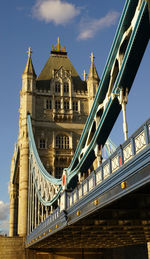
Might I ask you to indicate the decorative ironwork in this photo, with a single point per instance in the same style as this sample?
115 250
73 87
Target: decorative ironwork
127 152
140 142
114 163
75 197
98 177
106 171
80 191
85 188
91 184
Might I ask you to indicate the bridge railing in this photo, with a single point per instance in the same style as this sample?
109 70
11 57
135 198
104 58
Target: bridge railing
123 154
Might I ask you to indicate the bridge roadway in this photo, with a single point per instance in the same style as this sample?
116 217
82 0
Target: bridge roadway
109 209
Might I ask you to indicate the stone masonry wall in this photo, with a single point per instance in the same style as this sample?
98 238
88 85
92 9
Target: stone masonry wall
12 248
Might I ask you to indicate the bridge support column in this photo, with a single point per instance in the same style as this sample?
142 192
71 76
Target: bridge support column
125 125
123 99
23 190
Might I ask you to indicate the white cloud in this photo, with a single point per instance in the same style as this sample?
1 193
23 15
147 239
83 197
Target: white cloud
4 227
88 28
4 210
57 11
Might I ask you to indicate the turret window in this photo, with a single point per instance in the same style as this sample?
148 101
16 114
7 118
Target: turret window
57 87
66 105
66 87
62 142
42 143
75 106
57 104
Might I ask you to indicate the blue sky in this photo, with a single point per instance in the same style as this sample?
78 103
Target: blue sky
83 27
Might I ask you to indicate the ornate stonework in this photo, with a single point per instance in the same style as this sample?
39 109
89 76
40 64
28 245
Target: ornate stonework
59 103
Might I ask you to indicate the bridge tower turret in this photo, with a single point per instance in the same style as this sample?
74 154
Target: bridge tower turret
20 179
92 81
27 105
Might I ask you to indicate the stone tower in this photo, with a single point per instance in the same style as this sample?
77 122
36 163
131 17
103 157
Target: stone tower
59 103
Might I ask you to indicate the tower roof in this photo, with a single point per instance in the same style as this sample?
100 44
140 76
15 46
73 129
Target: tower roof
29 69
58 58
93 72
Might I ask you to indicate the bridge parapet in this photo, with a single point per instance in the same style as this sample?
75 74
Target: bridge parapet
130 148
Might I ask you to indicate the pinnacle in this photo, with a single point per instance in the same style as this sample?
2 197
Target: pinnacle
93 72
29 69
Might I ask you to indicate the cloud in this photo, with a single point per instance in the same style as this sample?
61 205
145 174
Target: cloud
56 11
4 210
88 28
4 227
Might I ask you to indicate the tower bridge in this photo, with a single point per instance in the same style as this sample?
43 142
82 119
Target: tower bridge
62 194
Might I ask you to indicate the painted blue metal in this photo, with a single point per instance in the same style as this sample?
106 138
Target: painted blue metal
112 107
42 170
134 171
32 144
99 138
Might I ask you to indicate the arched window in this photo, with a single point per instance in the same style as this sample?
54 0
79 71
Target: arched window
42 143
57 87
66 87
62 142
75 106
57 104
66 105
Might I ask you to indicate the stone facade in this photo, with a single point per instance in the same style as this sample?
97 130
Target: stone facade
59 103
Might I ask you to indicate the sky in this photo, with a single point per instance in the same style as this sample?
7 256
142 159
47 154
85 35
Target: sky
83 27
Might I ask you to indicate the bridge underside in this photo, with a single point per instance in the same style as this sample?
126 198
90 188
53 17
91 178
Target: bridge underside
123 223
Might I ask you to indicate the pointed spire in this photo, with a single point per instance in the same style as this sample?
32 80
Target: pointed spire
93 72
84 75
58 44
58 49
92 57
29 69
29 52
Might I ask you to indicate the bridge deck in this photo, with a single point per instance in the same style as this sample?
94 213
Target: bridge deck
109 209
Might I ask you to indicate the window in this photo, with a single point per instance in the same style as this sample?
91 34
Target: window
42 143
62 142
57 87
58 172
66 87
75 106
57 104
48 104
66 105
